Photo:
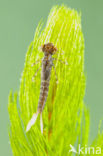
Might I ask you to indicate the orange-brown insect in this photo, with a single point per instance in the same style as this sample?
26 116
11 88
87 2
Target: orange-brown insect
49 49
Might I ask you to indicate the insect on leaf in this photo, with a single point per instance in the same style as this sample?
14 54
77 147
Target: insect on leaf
62 114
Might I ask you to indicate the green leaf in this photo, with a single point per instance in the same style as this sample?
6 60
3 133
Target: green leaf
63 113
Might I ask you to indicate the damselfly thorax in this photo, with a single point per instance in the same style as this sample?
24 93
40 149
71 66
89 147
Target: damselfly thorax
47 62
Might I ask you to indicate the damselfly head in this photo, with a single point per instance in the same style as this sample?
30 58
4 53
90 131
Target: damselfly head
49 48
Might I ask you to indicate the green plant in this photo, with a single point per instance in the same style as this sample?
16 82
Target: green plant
64 115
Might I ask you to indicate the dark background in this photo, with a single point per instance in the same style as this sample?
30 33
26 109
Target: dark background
18 21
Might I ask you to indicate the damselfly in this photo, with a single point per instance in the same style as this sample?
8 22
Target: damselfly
47 62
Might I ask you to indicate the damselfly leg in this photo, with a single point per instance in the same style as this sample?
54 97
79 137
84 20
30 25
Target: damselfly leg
38 61
55 74
36 73
61 61
64 62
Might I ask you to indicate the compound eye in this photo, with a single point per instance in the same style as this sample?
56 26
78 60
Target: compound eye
48 48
